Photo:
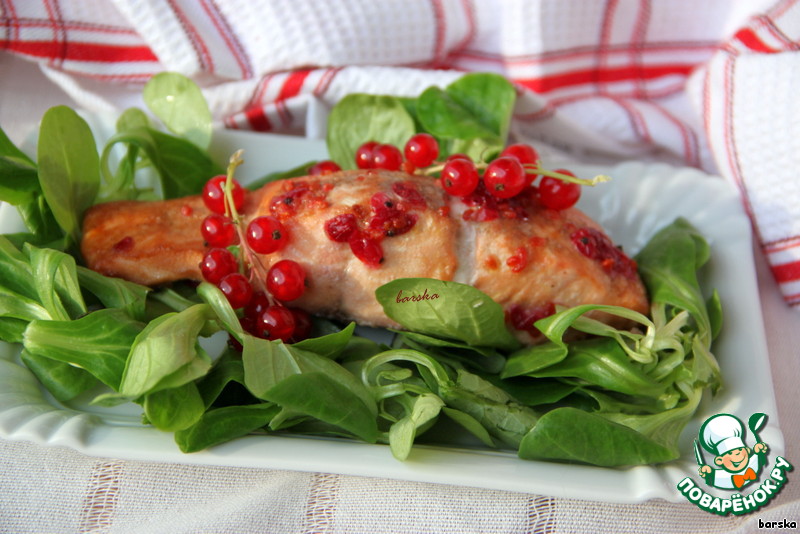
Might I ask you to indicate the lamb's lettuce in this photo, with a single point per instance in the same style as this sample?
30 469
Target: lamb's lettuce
109 332
68 165
447 310
181 106
471 116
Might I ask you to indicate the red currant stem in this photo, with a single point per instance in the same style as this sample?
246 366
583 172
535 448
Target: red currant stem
537 169
257 272
230 207
433 169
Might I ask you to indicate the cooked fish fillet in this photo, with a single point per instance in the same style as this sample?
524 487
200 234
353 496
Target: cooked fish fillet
526 257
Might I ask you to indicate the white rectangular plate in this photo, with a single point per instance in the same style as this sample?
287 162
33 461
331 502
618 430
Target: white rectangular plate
639 200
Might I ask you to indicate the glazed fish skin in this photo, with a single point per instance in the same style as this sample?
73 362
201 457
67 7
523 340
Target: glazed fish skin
534 260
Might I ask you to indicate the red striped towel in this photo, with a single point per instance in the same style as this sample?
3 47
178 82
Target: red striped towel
709 84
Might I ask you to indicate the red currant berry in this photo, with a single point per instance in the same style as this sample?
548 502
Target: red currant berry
302 324
214 194
366 249
504 177
258 303
341 227
459 177
324 167
422 149
451 157
266 234
286 280
218 263
237 289
364 157
275 322
526 154
218 231
387 157
557 194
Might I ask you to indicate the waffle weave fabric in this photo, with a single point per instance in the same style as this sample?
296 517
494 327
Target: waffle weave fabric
705 84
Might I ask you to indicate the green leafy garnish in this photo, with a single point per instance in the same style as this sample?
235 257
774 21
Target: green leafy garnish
471 116
68 167
358 118
181 106
446 309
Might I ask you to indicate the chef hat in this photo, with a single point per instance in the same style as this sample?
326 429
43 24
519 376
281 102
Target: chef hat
722 433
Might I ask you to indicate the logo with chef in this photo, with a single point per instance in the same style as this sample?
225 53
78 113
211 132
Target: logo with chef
734 466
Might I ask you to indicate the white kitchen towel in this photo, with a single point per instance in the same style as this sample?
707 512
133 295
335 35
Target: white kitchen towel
708 84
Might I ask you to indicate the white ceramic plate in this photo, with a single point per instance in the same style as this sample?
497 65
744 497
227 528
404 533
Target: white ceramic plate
640 199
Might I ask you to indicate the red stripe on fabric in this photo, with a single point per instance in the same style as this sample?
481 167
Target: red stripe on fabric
638 37
608 20
638 122
440 31
730 146
293 84
72 25
786 272
731 151
780 9
258 119
10 20
80 51
787 42
582 51
603 40
291 87
595 76
229 36
203 55
550 107
469 11
690 142
59 36
284 112
751 40
325 81
780 245
707 102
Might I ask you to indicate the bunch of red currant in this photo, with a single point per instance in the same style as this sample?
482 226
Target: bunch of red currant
505 177
260 293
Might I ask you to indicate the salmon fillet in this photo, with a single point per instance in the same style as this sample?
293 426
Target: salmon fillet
527 258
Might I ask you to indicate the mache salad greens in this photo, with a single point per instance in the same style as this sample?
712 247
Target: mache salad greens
612 398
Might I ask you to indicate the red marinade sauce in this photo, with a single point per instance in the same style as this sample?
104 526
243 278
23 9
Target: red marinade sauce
522 318
408 191
389 217
123 245
519 260
482 206
597 246
296 196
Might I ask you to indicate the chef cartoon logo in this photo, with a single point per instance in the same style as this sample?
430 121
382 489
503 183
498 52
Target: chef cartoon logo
734 466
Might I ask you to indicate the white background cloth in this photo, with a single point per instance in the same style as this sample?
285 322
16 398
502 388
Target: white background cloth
664 116
710 84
